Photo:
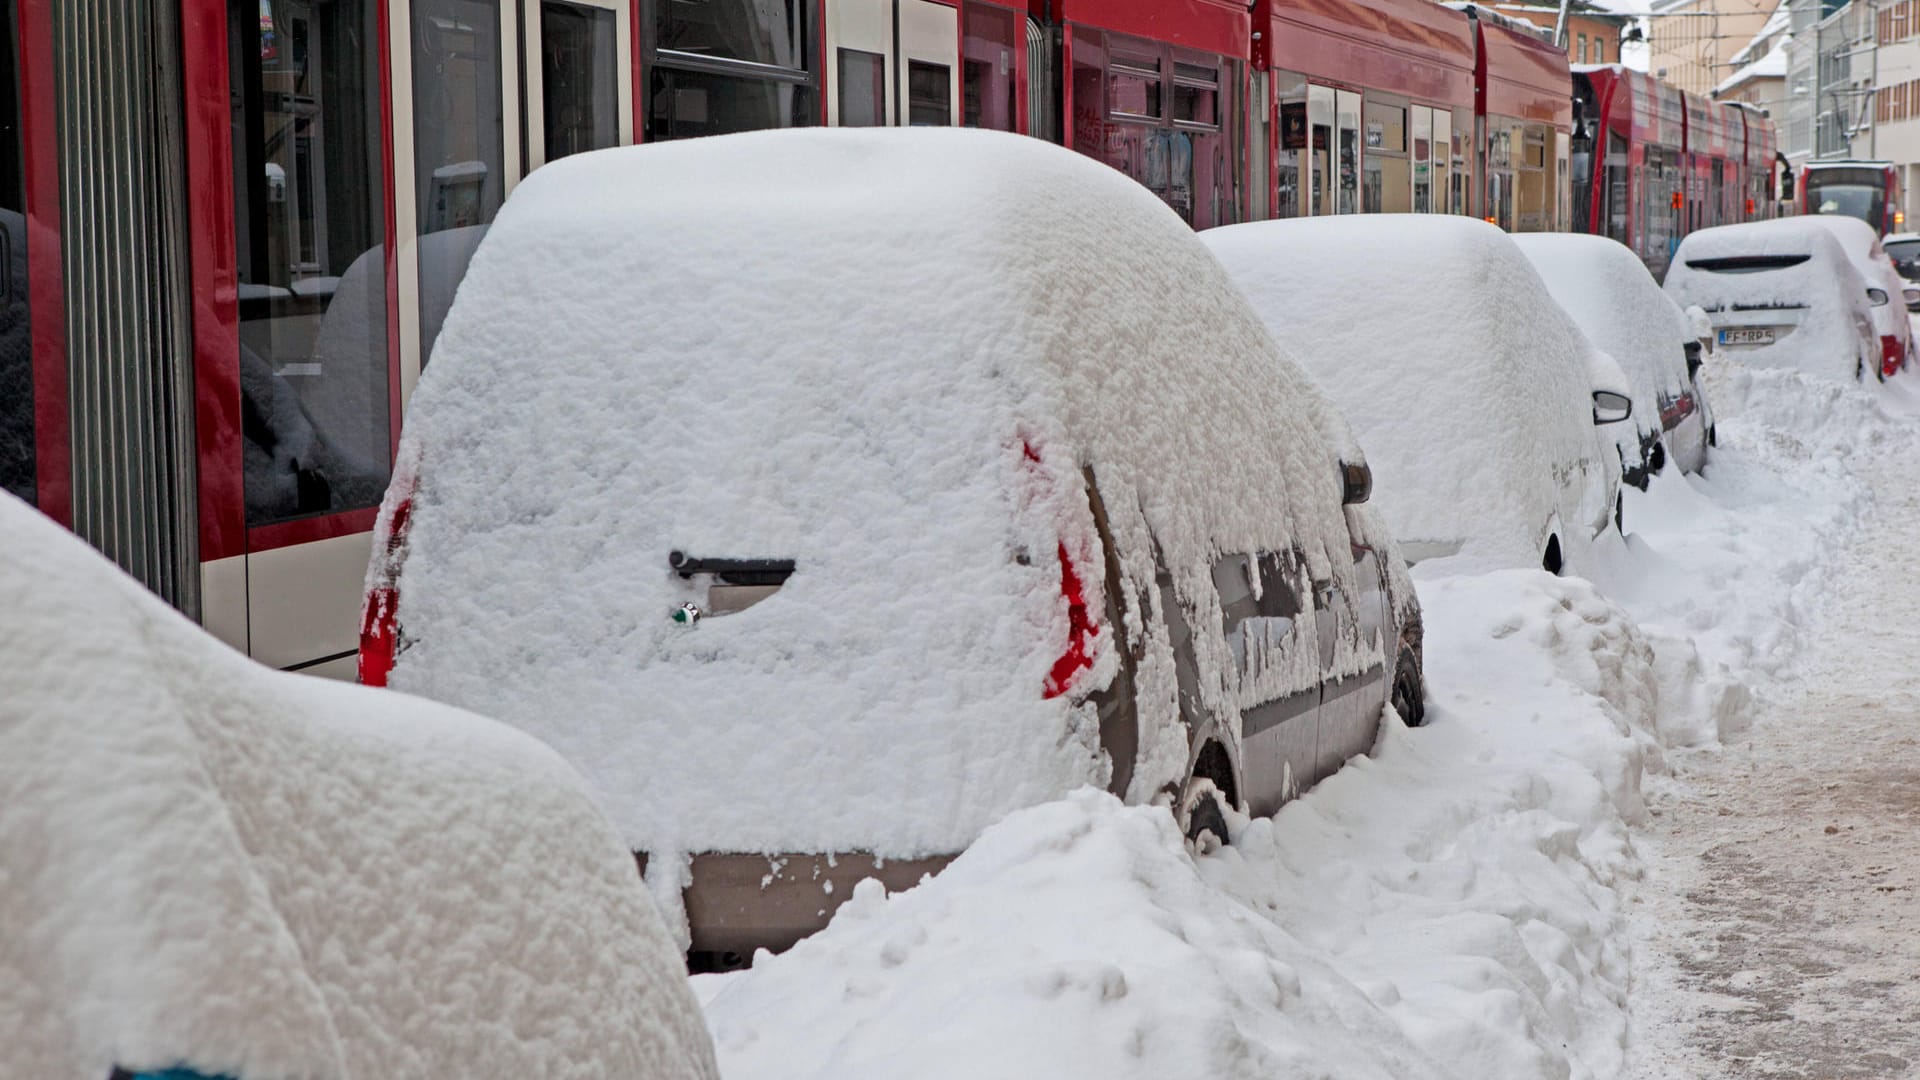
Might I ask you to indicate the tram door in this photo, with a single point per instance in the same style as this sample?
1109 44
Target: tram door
893 63
18 458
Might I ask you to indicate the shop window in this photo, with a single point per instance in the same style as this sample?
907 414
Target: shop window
929 94
578 69
17 454
309 231
989 50
719 68
863 88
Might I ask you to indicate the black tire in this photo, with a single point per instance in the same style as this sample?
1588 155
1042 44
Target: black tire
1203 816
1657 460
1550 560
1409 688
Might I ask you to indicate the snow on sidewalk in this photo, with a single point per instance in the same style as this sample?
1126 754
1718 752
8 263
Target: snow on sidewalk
1451 905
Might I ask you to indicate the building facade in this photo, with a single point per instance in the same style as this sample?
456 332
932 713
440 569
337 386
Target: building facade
1691 43
1593 35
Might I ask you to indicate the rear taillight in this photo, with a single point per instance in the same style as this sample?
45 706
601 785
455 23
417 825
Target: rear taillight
1078 655
379 622
1890 354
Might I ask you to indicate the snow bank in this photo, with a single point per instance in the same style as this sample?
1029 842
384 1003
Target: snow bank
1832 338
1446 907
1465 410
209 864
886 356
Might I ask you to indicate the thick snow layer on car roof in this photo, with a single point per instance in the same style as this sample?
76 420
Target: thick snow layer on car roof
1460 375
885 355
1620 308
1829 287
211 865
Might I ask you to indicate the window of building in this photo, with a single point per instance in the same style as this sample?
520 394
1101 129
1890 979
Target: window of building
309 233
989 49
718 68
1599 53
1583 49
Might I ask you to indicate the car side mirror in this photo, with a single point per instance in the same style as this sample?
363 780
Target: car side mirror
1912 297
1877 297
1356 481
1611 408
1693 356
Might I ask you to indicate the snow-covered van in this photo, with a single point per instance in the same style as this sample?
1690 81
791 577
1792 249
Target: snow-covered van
1622 310
825 496
212 869
1484 410
1780 293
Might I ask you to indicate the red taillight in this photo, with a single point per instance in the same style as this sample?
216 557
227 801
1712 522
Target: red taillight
1078 656
1890 354
379 624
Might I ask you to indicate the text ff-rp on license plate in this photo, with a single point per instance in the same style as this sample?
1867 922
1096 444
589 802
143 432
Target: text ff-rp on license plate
1747 335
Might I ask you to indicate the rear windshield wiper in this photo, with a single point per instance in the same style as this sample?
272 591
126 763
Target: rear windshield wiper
733 571
1747 264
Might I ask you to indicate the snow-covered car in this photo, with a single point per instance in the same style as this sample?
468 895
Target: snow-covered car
1623 311
1904 250
1780 293
1473 393
826 496
1888 293
211 868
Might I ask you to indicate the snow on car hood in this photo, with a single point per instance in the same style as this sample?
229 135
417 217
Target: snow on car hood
207 864
1459 374
1834 296
886 356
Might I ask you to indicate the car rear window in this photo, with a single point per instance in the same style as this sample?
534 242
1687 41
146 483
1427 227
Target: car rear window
1903 250
1747 264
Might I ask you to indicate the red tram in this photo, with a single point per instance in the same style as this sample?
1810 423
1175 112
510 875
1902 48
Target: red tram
230 229
1657 163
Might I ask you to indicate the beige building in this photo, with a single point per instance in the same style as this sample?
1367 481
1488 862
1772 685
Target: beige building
1691 43
1593 34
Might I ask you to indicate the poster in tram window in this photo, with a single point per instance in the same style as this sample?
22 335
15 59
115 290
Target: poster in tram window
1293 125
269 45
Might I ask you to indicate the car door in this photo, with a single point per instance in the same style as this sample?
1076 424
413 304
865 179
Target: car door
1351 702
1273 636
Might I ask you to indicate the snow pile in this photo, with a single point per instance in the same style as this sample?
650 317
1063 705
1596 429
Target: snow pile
1467 411
204 863
887 356
1446 907
1828 340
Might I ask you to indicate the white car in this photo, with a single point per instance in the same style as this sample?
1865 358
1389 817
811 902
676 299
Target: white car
825 496
1623 311
1473 393
1780 293
1887 292
211 868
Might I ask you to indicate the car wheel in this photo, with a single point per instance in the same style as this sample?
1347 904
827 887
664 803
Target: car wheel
1203 816
1409 688
1657 460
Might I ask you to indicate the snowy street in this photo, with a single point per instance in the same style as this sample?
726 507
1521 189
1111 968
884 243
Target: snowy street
1779 923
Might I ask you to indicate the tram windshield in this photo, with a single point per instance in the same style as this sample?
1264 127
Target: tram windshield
1863 201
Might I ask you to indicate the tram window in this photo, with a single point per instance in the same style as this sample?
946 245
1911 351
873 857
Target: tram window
715 69
987 68
929 94
310 241
1291 90
17 458
1349 170
863 88
1133 92
578 69
1195 104
1388 178
772 32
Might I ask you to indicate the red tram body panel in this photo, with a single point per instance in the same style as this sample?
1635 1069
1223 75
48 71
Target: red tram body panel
1526 121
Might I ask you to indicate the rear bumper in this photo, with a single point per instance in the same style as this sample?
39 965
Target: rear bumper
739 903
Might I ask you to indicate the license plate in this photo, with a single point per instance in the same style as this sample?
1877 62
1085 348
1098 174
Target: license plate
1747 335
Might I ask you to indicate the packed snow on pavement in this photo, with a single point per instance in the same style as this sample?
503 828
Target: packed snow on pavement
1458 903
